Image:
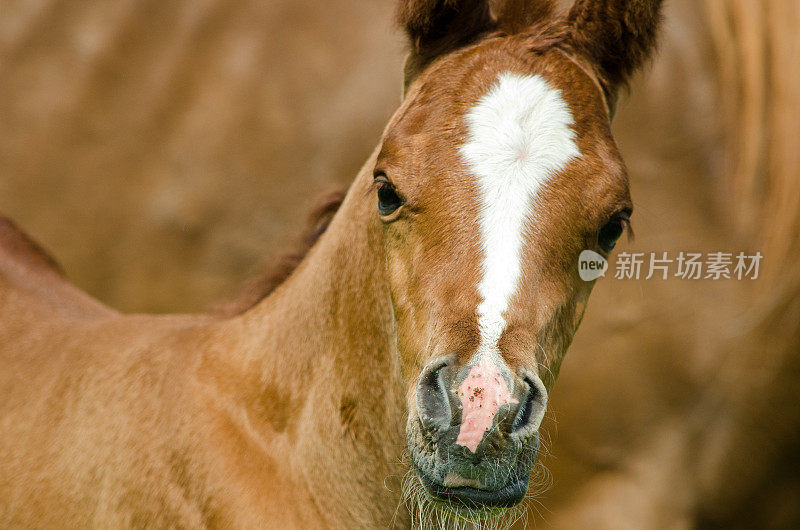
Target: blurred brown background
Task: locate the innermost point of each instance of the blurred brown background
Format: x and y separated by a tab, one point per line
164	151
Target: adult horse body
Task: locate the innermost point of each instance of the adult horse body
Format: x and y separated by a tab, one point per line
434	325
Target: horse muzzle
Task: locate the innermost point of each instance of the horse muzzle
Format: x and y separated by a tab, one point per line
476	436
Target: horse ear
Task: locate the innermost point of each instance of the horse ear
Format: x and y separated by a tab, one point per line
436	27
618	36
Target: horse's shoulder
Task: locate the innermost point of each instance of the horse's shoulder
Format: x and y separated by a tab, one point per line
18	247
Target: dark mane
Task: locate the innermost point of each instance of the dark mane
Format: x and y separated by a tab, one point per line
258	288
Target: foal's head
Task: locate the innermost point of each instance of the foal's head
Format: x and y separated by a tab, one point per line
493	176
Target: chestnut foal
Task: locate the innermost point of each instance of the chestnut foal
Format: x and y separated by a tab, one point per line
429	320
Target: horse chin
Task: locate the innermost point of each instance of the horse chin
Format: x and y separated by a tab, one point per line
441	481
426	503
475	501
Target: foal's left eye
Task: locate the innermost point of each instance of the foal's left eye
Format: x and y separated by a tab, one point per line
388	199
610	232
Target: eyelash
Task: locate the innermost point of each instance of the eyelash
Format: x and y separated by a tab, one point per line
389	200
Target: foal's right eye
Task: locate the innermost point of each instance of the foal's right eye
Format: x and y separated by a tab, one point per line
388	199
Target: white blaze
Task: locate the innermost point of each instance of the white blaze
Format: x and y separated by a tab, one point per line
519	137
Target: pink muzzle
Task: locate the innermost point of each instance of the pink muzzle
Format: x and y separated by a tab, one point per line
482	393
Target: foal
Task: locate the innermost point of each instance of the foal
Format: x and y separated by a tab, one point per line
429	319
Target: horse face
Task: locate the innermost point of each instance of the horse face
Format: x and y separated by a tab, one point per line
494	175
497	171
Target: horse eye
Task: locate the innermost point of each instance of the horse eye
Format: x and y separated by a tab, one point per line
611	231
388	199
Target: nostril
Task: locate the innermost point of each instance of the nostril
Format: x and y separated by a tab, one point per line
531	409
432	401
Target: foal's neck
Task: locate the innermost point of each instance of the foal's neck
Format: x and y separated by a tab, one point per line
322	346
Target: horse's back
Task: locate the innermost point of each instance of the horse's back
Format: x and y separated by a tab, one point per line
88	397
32	283
41	317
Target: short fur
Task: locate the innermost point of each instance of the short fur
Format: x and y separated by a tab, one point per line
297	412
437	27
516	16
17	245
615	35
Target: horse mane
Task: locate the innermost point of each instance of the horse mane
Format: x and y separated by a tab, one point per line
17	245
262	285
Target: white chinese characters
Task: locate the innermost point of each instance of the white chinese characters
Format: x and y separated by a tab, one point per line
687	266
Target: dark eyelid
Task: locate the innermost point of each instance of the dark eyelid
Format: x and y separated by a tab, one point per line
380	181
625	215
